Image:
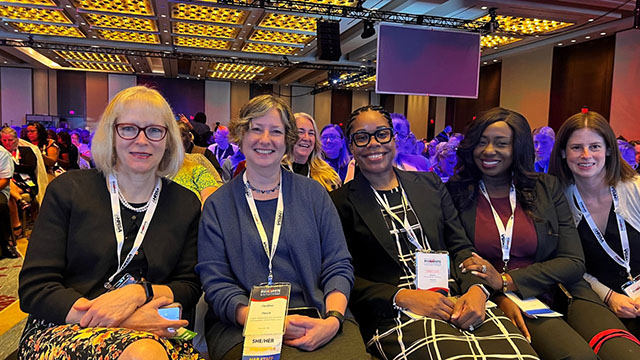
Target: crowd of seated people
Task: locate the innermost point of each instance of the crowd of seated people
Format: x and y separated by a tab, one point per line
348	218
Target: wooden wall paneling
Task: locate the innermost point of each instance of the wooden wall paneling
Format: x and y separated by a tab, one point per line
625	93
239	97
582	75
360	98
97	97
417	114
340	106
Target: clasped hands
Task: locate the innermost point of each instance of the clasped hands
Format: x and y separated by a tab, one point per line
308	333
466	313
624	306
125	308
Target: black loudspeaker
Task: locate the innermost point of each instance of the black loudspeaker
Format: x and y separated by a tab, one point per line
329	40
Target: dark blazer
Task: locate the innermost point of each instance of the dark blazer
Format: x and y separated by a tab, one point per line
374	253
72	250
559	257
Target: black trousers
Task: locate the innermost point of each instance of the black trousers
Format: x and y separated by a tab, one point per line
5	221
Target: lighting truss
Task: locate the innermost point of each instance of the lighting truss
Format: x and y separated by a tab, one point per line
285	62
342	83
359	13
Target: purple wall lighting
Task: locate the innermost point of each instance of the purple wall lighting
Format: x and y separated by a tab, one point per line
420	61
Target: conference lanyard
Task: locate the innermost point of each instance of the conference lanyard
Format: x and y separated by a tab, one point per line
506	235
622	228
276	225
117	222
411	235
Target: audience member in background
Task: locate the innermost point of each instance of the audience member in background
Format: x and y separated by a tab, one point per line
335	149
389	215
190	147
446	160
24	176
231	165
37	135
628	153
500	197
197	178
84	152
543	139
309	246
202	131
405	147
6	173
305	158
431	150
222	148
52	134
68	158
604	198
636	146
75	250
456	139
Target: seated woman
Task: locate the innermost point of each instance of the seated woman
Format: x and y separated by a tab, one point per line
308	249
68	158
520	223
389	216
95	274
24	176
334	149
306	159
446	160
604	197
37	135
406	156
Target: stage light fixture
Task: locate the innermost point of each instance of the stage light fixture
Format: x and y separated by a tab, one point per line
368	30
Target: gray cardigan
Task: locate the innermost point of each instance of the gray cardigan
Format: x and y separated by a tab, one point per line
231	258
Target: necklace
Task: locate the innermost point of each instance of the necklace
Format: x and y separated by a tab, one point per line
126	204
268	191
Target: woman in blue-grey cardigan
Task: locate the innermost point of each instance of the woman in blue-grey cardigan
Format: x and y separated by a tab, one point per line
310	249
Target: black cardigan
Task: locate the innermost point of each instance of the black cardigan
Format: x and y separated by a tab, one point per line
72	250
374	253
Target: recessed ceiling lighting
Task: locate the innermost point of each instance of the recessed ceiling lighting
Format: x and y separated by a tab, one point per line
82	23
603	33
68	6
163	15
536	35
591	19
485	63
200	67
484	8
587	37
495	48
239	38
248	24
573	40
495	60
559	44
166	43
93	36
166	30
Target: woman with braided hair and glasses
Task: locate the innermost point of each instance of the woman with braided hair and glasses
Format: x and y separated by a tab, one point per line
393	221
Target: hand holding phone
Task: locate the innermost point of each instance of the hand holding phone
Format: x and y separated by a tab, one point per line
172	311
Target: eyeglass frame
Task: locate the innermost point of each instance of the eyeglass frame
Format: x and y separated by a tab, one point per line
143	130
373	134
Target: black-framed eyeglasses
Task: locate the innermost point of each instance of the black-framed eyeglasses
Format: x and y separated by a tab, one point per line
363	138
131	131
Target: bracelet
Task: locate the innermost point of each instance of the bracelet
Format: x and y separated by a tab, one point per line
608	297
505	282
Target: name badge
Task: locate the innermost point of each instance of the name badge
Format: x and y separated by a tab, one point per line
632	288
432	271
265	323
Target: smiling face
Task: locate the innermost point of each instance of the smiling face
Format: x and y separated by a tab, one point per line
306	140
586	154
543	145
75	139
374	158
264	142
139	155
494	153
331	142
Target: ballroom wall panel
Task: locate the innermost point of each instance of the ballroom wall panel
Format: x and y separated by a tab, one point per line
239	97
359	99
322	109
97	97
16	95
340	106
40	91
217	102
417	113
72	93
301	102
119	82
625	92
185	96
582	75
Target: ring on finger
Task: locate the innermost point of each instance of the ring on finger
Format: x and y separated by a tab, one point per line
484	269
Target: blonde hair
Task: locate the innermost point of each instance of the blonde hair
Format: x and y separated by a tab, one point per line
103	144
260	106
319	170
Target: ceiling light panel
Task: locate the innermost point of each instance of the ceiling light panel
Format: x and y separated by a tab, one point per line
201	42
236	68
225	32
32	2
232	75
497	40
128	36
133	7
121	22
289	22
42	29
101	66
269	49
208	14
94	57
529	26
34	14
362	83
280	37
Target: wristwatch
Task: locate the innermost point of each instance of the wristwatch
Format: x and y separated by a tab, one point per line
148	290
505	283
337	315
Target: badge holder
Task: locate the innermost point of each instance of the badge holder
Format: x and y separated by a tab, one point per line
632	287
432	271
264	328
126	279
